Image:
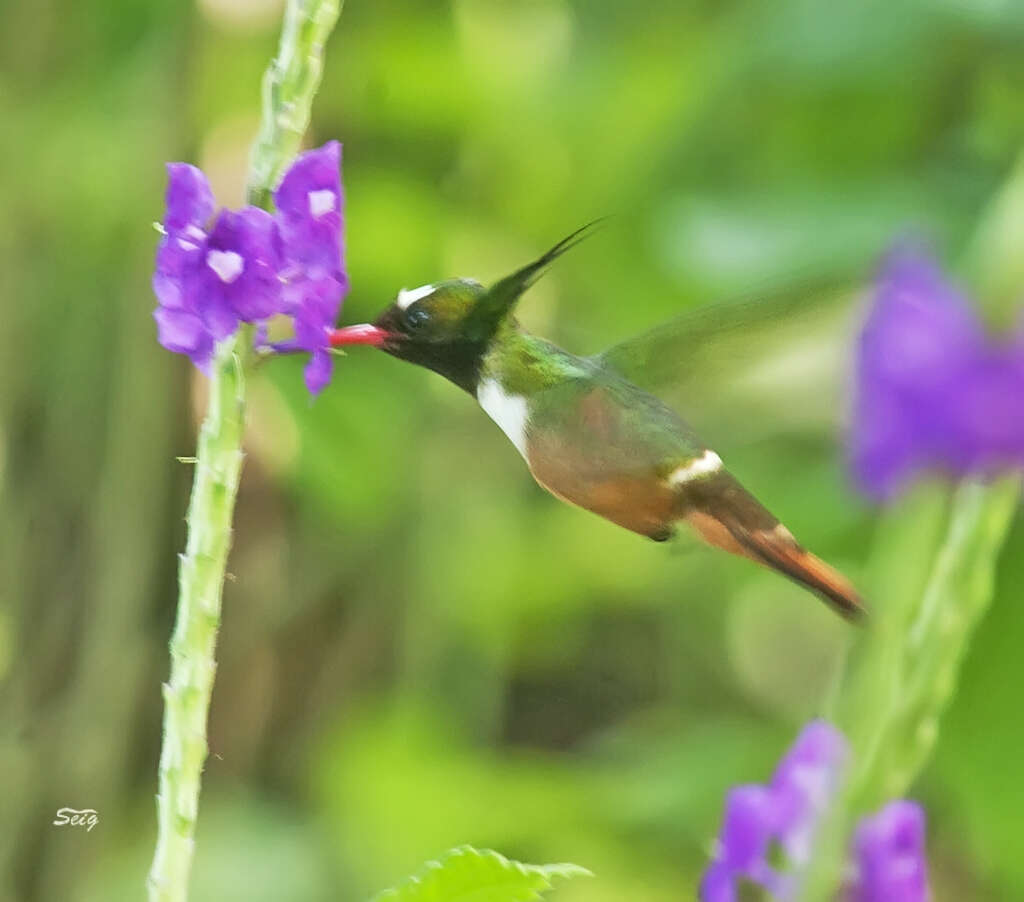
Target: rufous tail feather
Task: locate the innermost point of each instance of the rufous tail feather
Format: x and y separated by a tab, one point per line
735	521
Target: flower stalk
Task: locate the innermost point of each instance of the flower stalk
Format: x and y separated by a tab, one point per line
289	86
901	681
956	597
200	585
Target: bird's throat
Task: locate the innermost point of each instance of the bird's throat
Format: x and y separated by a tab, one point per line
509	410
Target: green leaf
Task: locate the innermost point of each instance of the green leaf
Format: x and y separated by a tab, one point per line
466	874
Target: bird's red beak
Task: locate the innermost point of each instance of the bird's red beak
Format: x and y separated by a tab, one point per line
363	334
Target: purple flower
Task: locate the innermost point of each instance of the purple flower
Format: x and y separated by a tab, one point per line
179	259
248	266
889	859
784	813
239	279
932	390
309	202
767	836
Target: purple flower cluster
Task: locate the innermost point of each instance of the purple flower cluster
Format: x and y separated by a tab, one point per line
933	390
213	273
888	863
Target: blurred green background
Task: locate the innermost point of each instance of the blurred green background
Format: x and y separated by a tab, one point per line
420	648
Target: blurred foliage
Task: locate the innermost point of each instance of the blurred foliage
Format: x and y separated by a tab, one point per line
420	648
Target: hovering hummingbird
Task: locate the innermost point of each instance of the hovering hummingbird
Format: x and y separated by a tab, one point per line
589	435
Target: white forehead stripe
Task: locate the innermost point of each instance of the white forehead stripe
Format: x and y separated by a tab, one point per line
708	462
508	411
412	295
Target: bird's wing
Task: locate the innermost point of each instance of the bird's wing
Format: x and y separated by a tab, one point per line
723	366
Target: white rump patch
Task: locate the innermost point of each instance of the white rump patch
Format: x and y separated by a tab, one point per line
227	264
320	202
508	411
412	295
708	462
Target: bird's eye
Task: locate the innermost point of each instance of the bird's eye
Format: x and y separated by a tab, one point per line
415	317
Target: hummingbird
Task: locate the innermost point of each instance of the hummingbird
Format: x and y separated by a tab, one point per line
588	435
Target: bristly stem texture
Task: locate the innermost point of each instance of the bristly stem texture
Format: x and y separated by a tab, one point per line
200	580
289	86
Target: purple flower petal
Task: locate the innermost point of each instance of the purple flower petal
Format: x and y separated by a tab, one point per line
225	278
178	262
179	330
718	884
747	828
919	342
189	199
889	856
318	371
888	850
314	318
176	278
741	849
314	304
932	391
787	812
989	412
309	203
240	280
804	785
184	333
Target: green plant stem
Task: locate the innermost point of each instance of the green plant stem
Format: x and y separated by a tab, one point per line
954	601
201	582
904	676
288	90
289	85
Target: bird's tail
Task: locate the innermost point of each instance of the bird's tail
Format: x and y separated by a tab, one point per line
727	516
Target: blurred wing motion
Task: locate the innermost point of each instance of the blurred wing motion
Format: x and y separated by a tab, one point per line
723	365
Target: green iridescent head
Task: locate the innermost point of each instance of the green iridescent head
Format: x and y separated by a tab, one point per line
448	326
443	327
